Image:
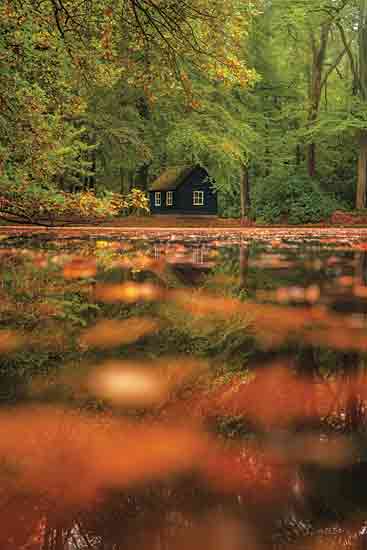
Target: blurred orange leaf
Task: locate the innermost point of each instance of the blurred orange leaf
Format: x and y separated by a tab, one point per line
128	292
109	333
10	341
80	269
142	384
273	324
129	384
72	456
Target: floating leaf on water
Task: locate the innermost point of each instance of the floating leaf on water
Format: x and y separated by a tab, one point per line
282	295
198	303
345	280
273	261
40	261
109	333
273	324
51	448
49	309
360	291
80	269
10	341
141	263
124	263
142	385
273	397
313	294
285	295
128	292
129	385
146	263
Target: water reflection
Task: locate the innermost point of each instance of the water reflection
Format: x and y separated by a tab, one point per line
182	393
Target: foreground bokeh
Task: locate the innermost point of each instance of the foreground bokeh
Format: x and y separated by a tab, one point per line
183	391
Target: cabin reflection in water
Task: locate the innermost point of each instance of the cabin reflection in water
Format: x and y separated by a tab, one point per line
189	264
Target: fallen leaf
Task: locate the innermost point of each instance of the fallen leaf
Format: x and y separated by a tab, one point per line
110	333
80	269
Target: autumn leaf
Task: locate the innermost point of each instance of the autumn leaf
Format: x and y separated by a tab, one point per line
110	333
80	269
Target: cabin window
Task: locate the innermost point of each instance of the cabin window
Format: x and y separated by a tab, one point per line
169	198
198	198
157	198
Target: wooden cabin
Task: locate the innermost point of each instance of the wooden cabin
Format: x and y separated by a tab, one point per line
184	190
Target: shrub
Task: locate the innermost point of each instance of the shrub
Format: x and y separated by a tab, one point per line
136	203
294	199
34	204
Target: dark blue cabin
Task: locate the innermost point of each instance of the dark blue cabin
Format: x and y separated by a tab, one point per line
183	190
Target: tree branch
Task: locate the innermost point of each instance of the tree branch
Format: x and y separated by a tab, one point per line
349	53
333	66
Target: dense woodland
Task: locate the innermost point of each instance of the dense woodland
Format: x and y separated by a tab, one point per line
201	390
97	98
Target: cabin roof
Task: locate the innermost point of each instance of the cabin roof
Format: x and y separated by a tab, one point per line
171	178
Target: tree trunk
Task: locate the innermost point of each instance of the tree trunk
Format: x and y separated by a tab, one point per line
358	66
362	49
311	160
126	180
92	177
362	157
61	182
319	49
244	191
142	177
315	96
298	155
362	171
122	181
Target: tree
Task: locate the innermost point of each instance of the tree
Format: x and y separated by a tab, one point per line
59	56
362	80
358	65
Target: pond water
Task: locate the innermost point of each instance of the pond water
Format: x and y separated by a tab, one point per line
183	390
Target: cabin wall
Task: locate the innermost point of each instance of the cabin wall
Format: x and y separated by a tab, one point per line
163	209
183	197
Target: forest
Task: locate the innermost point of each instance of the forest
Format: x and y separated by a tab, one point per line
185	387
98	98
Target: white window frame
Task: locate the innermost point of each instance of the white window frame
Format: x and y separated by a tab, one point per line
198	198
169	198
157	198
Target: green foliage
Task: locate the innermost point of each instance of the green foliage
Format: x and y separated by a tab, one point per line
295	199
78	84
229	202
217	133
90	102
211	337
